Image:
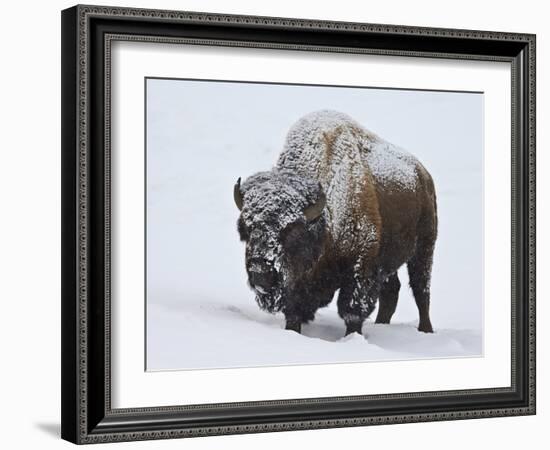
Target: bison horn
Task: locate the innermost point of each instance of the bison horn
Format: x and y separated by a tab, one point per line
238	195
315	210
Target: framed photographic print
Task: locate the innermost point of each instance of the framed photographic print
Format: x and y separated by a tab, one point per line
281	224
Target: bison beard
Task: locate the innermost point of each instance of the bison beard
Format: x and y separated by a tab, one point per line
342	209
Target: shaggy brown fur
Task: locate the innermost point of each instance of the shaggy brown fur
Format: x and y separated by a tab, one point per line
380	213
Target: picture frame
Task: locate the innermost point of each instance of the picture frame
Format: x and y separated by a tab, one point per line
88	415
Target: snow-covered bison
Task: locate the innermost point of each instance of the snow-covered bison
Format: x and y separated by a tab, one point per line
342	209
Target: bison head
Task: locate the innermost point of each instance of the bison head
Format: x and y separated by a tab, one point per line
283	226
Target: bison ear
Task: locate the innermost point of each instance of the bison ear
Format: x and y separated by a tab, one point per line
315	210
238	195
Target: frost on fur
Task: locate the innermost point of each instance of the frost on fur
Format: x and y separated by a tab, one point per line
377	212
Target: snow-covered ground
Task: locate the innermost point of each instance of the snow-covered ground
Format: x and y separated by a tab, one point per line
202	136
215	335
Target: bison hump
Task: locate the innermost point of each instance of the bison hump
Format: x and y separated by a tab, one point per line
321	142
390	164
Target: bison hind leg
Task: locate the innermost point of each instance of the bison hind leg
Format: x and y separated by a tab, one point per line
388	299
420	268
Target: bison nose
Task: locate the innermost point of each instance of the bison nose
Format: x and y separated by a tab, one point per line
262	280
261	274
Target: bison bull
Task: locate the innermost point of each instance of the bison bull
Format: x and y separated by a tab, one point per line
342	209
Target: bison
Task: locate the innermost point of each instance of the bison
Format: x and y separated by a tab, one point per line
342	210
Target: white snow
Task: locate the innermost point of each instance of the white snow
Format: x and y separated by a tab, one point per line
216	335
328	132
389	163
203	136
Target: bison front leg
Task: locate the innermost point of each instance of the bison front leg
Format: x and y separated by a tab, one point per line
293	324
299	309
357	299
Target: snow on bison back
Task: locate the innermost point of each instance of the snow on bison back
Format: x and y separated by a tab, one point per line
342	209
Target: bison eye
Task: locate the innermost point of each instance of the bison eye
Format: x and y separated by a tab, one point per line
293	234
243	230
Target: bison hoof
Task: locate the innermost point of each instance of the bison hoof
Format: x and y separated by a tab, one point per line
354	328
294	326
384	320
425	328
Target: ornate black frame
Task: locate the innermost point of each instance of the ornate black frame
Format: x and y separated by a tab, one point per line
87	31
